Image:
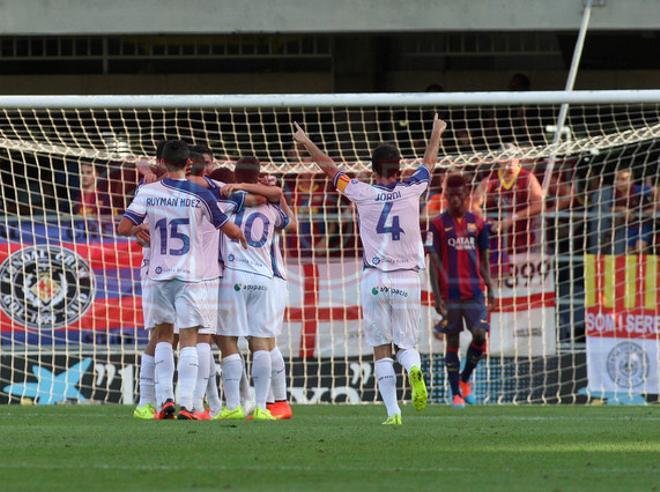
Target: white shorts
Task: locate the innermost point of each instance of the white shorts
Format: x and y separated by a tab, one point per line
281	299
246	305
183	304
391	307
145	284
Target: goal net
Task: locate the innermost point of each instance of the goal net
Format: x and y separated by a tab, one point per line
577	317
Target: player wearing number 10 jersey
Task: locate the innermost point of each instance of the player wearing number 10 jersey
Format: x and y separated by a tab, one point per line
393	256
183	220
247	298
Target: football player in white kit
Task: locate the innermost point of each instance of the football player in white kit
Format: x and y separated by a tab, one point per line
236	196
277	402
183	271
247	304
393	255
147	406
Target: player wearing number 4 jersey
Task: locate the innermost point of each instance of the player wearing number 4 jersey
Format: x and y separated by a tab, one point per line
183	220
393	256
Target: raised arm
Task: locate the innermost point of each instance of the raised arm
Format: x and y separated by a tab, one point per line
431	153
326	164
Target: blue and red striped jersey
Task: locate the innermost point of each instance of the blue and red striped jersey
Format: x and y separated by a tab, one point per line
459	244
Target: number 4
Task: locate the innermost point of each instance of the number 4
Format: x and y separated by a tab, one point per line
394	229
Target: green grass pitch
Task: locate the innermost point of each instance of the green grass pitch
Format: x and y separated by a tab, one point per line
343	448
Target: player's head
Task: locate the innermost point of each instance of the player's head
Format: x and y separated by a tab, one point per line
456	193
176	155
510	159
198	164
159	150
223	174
386	161
205	152
247	170
623	179
87	175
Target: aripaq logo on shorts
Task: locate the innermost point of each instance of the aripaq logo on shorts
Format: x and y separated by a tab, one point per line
249	287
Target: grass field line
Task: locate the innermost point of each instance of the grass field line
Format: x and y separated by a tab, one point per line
465	414
288	468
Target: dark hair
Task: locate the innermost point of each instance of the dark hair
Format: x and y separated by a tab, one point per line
198	164
520	82
159	149
434	88
455	180
247	170
223	174
201	149
385	160
176	154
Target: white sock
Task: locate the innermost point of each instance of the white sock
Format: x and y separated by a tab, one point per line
215	404
387	385
246	394
408	358
147	386
278	374
164	373
232	369
203	352
188	365
261	373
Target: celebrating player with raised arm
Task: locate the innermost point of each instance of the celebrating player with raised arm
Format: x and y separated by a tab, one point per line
460	255
183	220
393	256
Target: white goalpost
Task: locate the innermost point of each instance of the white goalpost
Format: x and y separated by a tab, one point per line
578	317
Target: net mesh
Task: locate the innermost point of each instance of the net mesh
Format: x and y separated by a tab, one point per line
581	285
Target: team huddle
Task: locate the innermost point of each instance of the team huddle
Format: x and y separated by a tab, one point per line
213	273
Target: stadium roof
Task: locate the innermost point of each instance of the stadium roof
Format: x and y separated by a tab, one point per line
46	17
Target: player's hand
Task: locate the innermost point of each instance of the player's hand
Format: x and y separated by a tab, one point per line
442	308
230	188
439	126
299	135
241	239
234	233
150	177
142	235
491	302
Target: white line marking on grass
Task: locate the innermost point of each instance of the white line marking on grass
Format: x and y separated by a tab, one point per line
287	468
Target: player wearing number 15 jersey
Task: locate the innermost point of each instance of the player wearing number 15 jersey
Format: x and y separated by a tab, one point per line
183	220
393	256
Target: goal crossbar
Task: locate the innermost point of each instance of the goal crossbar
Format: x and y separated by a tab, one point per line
329	100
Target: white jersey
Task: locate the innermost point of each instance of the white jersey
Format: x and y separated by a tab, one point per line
389	220
183	219
228	205
259	225
279	269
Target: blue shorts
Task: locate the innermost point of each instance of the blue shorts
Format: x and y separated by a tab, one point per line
643	232
473	311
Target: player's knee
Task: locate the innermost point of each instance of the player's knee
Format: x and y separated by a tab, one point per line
453	340
383	351
479	336
188	337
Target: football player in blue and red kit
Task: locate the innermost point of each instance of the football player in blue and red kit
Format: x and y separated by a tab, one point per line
460	255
